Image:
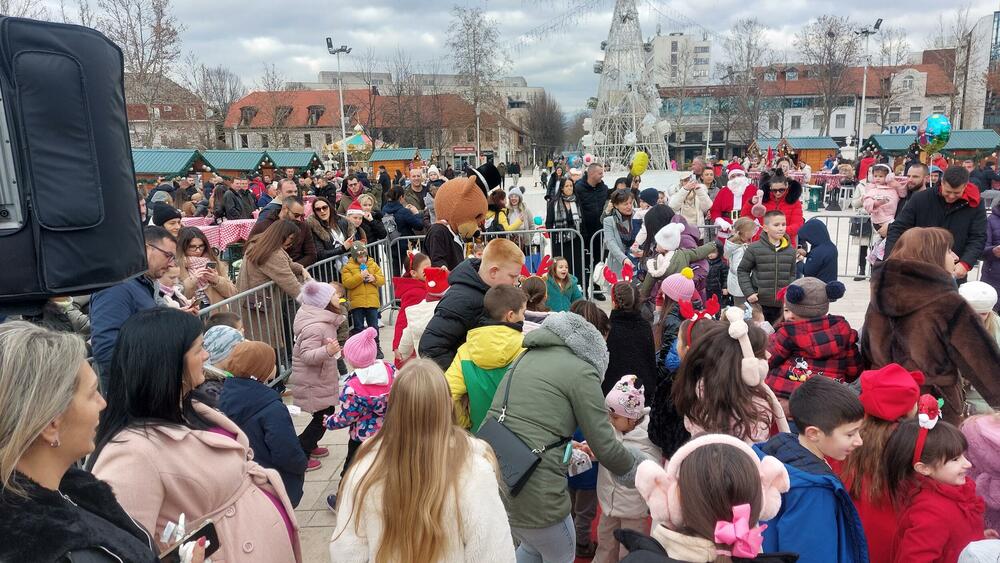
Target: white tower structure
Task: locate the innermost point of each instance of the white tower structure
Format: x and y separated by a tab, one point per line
626	118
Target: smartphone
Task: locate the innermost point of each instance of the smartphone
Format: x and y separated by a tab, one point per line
206	530
211	265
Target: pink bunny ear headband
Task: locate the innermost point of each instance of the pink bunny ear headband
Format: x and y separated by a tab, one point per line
753	369
660	488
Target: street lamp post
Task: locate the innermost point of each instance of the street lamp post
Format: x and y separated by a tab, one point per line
478	146
866	33
708	134
340	89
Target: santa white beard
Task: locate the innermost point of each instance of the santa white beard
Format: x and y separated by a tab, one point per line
738	186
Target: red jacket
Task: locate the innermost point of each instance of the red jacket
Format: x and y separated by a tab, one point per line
410	291
792	211
825	345
722	205
878	518
939	521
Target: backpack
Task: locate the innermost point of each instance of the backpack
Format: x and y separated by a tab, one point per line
391	230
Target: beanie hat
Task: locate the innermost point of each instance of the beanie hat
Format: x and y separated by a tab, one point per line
516	190
360	349
433	170
650	196
355	208
219	341
249	359
810	297
669	236
980	295
356	249
436	280
625	399
316	294
163	212
889	393
679	287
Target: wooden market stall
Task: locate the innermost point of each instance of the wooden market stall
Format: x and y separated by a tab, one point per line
151	164
759	146
235	163
964	143
399	159
811	150
299	160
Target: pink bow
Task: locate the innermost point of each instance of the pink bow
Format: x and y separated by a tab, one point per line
746	541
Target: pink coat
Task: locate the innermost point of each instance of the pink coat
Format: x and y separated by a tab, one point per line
163	471
983	434
314	372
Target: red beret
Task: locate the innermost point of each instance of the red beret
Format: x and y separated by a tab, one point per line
889	393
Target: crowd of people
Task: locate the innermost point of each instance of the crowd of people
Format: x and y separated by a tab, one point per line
705	405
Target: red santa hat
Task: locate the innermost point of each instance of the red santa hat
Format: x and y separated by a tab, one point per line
436	280
734	166
737	172
355	208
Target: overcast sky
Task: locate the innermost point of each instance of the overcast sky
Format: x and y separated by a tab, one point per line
245	35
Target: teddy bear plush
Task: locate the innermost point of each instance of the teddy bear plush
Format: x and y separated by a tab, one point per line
461	208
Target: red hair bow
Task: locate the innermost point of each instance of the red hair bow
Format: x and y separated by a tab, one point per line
688	312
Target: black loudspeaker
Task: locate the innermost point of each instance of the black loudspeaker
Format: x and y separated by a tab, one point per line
69	218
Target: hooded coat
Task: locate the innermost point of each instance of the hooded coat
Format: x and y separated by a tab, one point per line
824	345
458	312
991	263
631	352
560	299
555	388
362	294
916	318
821	261
258	411
983	434
478	367
817	517
315	375
409	291
938	522
965	220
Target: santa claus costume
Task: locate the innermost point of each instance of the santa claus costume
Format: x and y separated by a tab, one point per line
731	199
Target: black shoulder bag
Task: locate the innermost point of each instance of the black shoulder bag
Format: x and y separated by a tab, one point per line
516	459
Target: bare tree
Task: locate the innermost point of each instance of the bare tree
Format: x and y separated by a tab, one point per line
887	89
84	14
680	69
575	130
149	36
34	9
395	116
546	125
830	47
366	65
746	52
218	88
474	41
275	99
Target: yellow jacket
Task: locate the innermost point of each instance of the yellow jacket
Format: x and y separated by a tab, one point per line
359	293
477	369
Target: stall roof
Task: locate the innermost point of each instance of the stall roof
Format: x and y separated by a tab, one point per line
408	153
812	143
293	159
163	162
243	161
764	143
892	144
425	154
960	140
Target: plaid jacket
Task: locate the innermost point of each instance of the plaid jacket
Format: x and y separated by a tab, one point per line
822	346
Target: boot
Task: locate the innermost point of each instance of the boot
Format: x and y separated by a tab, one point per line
862	263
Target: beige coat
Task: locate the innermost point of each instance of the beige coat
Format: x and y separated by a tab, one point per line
262	312
222	289
164	471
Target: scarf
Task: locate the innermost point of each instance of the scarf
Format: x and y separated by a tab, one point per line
196	263
624	225
684	548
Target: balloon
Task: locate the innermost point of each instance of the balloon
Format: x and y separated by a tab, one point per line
587	140
639	163
663	127
574	161
646	130
629	139
538	220
934	133
588	124
649	119
588	158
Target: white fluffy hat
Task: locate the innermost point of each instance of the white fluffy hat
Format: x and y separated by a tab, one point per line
980	295
669	237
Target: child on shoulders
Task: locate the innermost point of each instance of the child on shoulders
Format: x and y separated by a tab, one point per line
882	195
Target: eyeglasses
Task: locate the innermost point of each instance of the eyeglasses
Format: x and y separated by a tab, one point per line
170	255
297	216
319	208
196	247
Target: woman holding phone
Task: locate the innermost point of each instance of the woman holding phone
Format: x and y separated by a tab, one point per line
205	277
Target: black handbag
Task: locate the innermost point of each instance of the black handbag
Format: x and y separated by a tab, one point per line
516	459
861	226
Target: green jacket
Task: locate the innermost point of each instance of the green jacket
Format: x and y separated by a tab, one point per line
560	299
765	269
556	388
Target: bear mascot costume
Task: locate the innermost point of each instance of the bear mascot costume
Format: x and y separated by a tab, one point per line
461	208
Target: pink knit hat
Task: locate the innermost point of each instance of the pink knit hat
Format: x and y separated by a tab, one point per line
360	349
625	399
316	294
679	287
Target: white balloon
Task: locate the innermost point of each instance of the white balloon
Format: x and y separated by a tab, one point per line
629	138
646	130
587	140
663	127
649	119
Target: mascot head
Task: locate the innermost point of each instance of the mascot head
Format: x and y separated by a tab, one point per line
462	201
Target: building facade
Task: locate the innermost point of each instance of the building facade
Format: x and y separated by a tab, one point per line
681	59
164	114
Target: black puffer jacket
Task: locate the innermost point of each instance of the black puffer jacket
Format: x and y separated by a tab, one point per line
765	269
83	523
591	200
326	245
965	220
630	345
456	314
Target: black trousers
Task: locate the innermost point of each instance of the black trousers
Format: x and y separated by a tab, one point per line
314	431
772	314
352	448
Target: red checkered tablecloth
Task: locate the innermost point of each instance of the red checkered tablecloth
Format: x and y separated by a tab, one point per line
196	221
832	181
236	230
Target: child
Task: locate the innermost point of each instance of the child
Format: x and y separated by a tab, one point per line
536	289
888	396
362	277
736	246
315	372
811	342
630	341
670	258
365	395
983	299
767	266
983	433
926	472
170	290
623	507
258	411
719	387
707	502
225	318
817	516
718	272
821	257
563	287
756	315
482	360
417	316
674	289
410	289
882	196
462	307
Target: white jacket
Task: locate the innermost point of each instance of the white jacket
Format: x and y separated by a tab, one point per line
417	318
734	254
616	499
485	533
693	205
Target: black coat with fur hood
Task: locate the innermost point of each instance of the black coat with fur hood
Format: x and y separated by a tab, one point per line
82	523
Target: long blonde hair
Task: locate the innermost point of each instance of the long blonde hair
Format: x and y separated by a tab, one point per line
420	454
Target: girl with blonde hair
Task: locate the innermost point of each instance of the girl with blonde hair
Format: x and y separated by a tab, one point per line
421	489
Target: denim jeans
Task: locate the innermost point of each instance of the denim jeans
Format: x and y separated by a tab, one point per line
555	544
363	317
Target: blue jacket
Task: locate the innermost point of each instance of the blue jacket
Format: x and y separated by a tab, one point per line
110	308
821	262
258	411
817	519
406	221
559	299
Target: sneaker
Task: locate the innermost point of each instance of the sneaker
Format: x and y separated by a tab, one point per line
331	501
319	452
860	278
313	465
586	551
